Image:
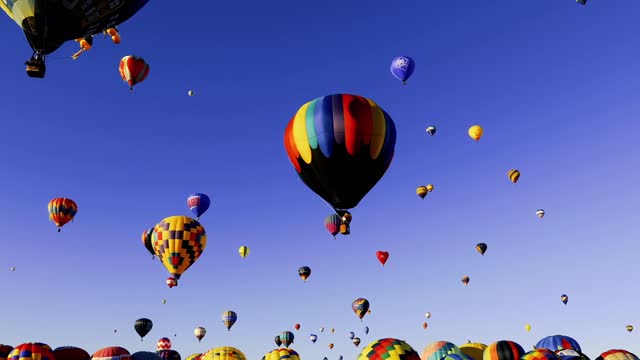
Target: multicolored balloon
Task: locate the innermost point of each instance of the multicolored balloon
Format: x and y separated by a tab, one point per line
360	306
558	342
465	280
540	213
133	70
61	211
167	355
564	298
282	354
402	68
178	241
473	350
111	353
287	338
244	251
198	204
332	224
388	349
422	191
340	145
229	318
356	341
313	338
224	353
503	350
438	349
304	272
617	354
540	354
513	175
31	351
163	343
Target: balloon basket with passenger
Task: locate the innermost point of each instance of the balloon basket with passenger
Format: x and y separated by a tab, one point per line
36	67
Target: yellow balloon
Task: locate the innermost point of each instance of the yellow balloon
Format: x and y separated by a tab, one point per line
475	132
422	191
178	241
514	175
430	187
527	327
224	353
282	354
473	350
244	251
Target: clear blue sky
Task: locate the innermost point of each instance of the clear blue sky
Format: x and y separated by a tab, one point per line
554	84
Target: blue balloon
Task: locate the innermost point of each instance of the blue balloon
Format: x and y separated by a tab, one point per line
366	330
352	335
402	67
198	203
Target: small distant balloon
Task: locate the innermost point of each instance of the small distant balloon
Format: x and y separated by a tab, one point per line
13	268
465	280
481	248
431	130
629	328
475	132
564	298
427	314
581	2
425	325
356	341
513	175
422	191
430	187
540	213
190	93
382	256
527	327
402	68
164	301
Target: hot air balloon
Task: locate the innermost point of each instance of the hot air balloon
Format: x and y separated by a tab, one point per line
571	355
438	349
49	24
366	330
70	353
133	70
163	344
244	251
313	338
296	326
540	354
198	204
527	327
142	327
5	350
332	224
13	268
331	346
111	353
224	353
190	92
427	314
558	342
503	350
422	191
321	329
402	68
582	2
431	130
61	211
277	340
430	187
164	301
304	272
287	338
564	298
352	335
481	248
540	213
617	354
341	146
229	318
460	356
178	241
147	241
382	256
629	328
31	351
473	350
475	132
360	307
168	354
465	280
388	349
425	325
513	175
282	354
200	332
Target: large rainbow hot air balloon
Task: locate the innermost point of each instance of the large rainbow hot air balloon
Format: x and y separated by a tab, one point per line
503	350
340	145
178	241
31	351
438	349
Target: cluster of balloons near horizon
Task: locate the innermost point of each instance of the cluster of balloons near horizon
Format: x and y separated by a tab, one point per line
143	326
556	347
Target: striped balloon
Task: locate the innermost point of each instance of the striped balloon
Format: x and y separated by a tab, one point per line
503	350
617	354
540	354
558	342
112	353
133	70
438	349
388	349
332	223
229	318
163	344
31	351
340	145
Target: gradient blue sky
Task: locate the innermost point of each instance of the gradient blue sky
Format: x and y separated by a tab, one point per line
554	84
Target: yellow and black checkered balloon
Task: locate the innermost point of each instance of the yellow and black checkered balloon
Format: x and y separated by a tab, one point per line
224	353
178	241
388	349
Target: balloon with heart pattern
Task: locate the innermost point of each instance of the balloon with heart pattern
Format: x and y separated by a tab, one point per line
133	70
382	256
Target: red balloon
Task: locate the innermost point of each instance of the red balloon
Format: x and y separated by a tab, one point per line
382	256
133	70
297	326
